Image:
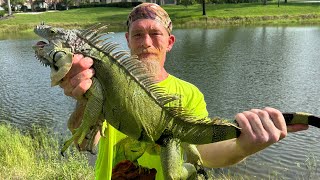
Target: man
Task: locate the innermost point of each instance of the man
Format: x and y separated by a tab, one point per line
149	37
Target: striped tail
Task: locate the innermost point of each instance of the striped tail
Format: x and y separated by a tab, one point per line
204	133
302	118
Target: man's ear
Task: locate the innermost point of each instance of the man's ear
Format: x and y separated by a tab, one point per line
172	39
127	37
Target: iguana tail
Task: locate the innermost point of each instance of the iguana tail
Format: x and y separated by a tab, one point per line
219	129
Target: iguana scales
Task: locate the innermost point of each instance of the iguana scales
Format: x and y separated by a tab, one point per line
125	93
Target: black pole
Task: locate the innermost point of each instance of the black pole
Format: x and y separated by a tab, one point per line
203	7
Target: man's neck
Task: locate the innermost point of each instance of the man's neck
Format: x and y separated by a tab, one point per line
162	75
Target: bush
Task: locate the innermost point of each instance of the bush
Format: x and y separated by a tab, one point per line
116	4
25	8
39	9
124	4
2	12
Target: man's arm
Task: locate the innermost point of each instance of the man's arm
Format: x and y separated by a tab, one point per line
75	84
259	129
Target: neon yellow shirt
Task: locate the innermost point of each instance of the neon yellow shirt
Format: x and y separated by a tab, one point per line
192	100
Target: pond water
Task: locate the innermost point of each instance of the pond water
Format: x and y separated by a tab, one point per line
236	68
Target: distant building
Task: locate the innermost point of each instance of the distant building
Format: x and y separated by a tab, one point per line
114	1
2	2
44	3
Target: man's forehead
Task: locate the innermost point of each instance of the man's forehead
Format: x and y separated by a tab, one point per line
147	24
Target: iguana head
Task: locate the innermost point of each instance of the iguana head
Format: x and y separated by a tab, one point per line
60	42
56	38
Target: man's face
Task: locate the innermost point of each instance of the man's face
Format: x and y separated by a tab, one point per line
149	40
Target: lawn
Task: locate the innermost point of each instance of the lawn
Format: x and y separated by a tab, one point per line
216	15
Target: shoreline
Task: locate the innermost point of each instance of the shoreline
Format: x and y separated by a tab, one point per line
203	23
218	15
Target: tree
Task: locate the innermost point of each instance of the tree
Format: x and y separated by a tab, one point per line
186	3
16	2
160	2
9	8
55	2
68	3
264	2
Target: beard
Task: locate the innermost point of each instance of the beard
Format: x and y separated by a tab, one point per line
153	66
151	62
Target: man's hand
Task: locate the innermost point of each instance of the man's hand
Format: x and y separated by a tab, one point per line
262	127
75	84
78	80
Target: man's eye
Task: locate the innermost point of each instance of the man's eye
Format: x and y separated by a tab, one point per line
156	33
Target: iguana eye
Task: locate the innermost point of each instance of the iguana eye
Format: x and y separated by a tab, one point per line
52	31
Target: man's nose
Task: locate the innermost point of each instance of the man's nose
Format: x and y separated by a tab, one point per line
146	41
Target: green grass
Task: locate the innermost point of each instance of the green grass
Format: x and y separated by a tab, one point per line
71	18
239	14
191	16
36	155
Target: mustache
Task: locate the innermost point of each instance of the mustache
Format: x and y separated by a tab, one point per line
149	51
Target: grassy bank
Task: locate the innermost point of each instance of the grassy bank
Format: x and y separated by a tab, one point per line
182	17
36	155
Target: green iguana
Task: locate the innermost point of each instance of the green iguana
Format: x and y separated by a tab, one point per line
125	93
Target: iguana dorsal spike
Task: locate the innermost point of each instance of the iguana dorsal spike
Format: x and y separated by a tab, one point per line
98	36
106	46
120	54
93	30
112	48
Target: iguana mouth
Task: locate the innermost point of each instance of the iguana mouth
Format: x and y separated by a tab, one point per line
38	47
41	44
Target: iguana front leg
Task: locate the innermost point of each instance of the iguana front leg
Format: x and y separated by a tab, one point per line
171	163
92	120
60	60
193	156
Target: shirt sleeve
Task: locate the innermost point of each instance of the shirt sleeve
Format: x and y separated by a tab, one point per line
196	103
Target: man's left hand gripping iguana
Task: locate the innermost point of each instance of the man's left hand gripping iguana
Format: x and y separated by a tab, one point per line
125	93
